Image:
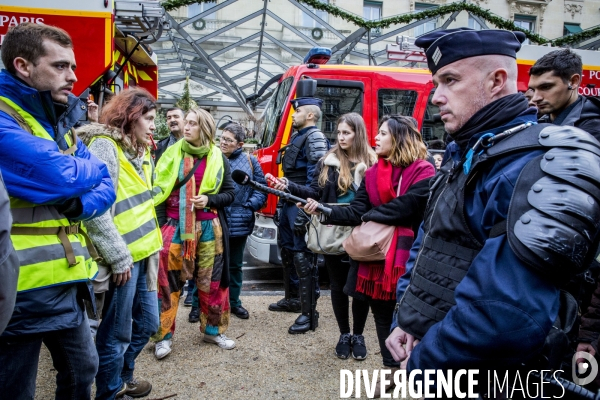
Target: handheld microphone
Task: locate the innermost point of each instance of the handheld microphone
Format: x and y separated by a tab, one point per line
242	178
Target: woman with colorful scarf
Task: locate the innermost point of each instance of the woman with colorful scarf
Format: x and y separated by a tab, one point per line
401	161
193	178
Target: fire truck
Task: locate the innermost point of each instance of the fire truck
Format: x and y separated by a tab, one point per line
371	91
110	39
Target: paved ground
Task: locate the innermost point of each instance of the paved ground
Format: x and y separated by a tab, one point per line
267	363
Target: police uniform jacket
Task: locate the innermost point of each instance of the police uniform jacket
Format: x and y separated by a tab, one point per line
504	309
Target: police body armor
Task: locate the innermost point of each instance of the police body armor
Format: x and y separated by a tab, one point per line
552	224
317	144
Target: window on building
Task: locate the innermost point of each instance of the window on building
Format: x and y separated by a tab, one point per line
428	26
309	22
372	12
473	24
337	101
394	101
527	23
197	8
570	29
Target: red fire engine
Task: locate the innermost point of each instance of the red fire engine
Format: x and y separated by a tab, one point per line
372	92
110	39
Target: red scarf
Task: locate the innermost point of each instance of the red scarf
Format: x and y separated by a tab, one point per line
378	279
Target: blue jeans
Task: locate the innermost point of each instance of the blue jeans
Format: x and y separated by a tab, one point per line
73	356
119	341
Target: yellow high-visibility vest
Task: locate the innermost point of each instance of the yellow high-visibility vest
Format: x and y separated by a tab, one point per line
51	250
134	214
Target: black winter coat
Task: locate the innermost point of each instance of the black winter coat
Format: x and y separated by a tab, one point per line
219	201
406	210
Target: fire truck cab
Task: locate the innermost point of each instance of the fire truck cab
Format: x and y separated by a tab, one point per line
371	91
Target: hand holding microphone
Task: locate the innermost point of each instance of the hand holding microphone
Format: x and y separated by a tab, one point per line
311	207
279	184
242	178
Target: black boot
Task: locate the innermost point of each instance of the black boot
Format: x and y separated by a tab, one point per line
194	315
304	322
291	302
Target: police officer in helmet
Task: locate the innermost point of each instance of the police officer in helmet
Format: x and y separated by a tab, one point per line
482	284
300	159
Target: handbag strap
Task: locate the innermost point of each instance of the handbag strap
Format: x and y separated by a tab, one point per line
250	162
188	176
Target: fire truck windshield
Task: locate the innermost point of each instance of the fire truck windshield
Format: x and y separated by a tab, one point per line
337	100
272	114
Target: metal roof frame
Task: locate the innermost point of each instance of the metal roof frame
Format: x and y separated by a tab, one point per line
198	55
221	83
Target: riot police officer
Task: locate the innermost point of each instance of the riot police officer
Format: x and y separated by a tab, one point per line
508	219
300	159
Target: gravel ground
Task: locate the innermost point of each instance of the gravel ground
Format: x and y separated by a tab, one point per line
267	362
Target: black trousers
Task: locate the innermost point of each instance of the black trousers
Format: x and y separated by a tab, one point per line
383	313
338	267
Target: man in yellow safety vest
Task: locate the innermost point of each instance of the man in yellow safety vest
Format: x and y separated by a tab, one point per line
53	183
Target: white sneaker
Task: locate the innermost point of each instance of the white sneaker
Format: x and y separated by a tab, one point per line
162	349
220	340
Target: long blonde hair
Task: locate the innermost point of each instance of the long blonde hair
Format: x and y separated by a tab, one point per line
206	124
360	151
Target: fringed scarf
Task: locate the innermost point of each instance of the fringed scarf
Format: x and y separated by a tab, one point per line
187	217
378	280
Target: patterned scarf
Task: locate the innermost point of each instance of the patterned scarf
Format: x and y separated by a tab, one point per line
378	279
187	217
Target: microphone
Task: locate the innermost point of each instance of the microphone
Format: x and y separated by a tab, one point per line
242	178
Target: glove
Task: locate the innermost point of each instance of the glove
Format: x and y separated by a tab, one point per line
278	211
71	208
300	224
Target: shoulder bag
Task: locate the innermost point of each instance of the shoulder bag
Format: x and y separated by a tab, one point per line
370	241
327	239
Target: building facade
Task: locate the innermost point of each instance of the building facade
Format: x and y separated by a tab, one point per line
233	41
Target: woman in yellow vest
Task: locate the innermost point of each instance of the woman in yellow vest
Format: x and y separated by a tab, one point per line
126	236
194	180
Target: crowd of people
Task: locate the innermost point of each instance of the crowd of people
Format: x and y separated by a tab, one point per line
100	234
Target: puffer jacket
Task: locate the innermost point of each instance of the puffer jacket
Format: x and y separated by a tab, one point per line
240	215
34	170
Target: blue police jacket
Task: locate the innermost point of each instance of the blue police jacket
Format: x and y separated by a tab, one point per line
302	160
503	308
34	170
